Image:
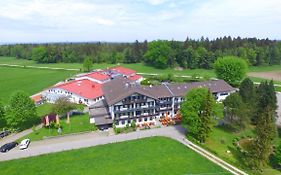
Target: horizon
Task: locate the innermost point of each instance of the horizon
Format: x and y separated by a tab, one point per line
42	21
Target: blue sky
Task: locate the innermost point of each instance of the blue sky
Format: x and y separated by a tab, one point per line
120	20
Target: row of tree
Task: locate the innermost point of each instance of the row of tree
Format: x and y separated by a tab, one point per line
250	105
161	53
258	107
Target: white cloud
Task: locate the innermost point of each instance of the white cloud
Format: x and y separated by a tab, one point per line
156	2
129	20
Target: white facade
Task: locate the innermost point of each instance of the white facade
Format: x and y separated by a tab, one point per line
53	94
136	107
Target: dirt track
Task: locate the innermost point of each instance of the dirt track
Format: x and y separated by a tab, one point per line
275	75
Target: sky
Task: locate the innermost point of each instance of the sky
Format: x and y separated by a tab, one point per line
129	20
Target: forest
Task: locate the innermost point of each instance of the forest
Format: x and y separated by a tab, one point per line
159	53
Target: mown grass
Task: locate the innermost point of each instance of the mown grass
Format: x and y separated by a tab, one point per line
256	79
265	68
78	123
156	155
221	141
29	80
139	67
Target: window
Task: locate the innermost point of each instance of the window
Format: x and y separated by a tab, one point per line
151	118
145	119
116	122
140	119
129	121
123	122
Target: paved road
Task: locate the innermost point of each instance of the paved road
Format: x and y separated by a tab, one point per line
85	140
14	136
99	138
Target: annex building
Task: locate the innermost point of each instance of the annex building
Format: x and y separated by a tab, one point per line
115	96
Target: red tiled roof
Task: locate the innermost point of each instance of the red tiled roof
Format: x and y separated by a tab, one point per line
36	98
123	70
98	76
84	88
134	77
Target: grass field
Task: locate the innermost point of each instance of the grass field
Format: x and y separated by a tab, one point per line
139	67
221	140
29	80
156	155
78	123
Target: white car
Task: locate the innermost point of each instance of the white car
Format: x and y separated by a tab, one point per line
24	143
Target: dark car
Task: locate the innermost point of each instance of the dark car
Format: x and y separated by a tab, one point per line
4	134
8	146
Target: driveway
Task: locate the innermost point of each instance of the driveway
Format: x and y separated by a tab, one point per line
86	140
100	138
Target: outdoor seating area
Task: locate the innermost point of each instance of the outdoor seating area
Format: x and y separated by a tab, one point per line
146	125
167	120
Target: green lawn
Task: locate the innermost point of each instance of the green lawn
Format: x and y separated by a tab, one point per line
44	109
139	67
29	80
155	155
78	123
264	68
221	140
255	79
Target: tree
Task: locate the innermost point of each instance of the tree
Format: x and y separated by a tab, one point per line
158	54
235	113
88	64
247	91
137	54
39	54
206	117
128	55
231	69
63	106
196	112
21	112
277	155
265	128
2	116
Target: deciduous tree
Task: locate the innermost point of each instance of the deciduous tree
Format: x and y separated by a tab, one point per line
63	106
197	111
88	64
231	69
2	116
21	112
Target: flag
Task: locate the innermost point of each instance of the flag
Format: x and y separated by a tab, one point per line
47	120
57	119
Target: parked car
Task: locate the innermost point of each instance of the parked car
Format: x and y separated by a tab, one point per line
8	146
4	133
24	143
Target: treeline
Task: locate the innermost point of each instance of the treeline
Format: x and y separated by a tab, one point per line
161	53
